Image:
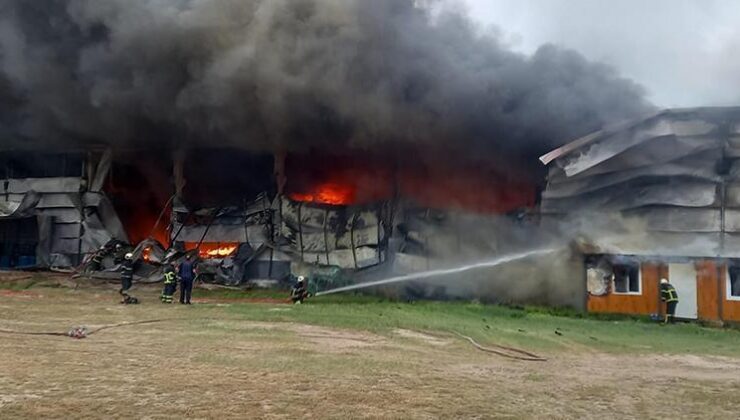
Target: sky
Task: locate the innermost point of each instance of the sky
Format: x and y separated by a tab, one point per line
684	52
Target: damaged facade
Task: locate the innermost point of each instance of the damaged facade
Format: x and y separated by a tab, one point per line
673	182
256	217
53	211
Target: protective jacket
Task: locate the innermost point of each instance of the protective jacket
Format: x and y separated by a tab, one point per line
127	270
169	276
170	284
668	293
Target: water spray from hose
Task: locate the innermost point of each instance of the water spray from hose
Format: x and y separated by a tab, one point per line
442	272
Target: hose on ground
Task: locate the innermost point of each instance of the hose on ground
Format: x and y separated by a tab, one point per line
504	351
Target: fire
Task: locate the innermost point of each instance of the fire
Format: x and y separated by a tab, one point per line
436	180
223	251
213	249
334	193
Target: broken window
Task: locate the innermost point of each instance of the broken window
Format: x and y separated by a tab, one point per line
733	280
627	278
598	275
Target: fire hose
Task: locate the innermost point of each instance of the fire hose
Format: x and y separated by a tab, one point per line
82	331
504	351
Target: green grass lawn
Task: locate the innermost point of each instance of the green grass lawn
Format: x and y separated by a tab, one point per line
532	328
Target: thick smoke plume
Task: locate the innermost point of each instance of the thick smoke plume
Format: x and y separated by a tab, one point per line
289	75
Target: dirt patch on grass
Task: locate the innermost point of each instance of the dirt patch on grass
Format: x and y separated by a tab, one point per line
208	362
426	338
331	340
271	301
19	293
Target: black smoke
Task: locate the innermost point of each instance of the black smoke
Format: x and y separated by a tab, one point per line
290	75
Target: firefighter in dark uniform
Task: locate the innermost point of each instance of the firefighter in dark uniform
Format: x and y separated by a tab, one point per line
127	279
170	284
668	295
299	292
97	261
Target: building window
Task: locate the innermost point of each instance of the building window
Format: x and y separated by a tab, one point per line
733	281
627	279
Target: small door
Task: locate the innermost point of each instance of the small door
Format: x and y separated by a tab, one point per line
683	278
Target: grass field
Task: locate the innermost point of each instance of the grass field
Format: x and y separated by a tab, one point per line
236	355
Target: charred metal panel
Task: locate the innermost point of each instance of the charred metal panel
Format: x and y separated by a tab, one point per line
676	175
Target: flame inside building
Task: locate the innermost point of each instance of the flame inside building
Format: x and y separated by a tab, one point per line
271	213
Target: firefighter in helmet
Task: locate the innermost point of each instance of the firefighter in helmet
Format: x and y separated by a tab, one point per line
299	292
127	279
668	295
170	284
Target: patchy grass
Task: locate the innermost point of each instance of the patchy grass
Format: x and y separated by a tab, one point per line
349	357
530	327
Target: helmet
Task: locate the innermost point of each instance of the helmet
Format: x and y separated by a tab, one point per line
663	281
301	279
129	256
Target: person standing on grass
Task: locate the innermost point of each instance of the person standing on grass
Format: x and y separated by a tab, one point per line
668	295
127	279
187	276
170	283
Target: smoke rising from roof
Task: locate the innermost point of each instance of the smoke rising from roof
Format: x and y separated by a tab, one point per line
290	75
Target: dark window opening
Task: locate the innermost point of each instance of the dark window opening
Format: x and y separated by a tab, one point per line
18	241
626	278
41	165
733	289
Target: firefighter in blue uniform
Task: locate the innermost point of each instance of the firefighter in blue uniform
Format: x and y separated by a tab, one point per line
668	295
170	283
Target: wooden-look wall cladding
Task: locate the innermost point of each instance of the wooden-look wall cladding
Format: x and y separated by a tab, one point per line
707	290
645	303
712	293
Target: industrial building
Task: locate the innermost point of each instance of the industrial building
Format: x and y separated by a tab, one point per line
673	182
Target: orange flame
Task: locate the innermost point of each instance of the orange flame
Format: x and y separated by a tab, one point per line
334	193
146	254
213	249
223	251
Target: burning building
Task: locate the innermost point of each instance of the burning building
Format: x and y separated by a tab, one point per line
279	136
673	180
253	216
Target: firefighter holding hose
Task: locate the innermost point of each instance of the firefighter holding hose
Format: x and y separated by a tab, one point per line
668	295
299	292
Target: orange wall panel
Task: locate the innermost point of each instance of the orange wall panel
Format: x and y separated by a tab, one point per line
643	304
707	290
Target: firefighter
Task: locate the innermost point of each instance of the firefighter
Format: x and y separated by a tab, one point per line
170	284
97	261
299	292
187	276
668	295
127	279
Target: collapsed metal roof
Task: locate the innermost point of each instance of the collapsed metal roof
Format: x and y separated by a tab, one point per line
676	173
